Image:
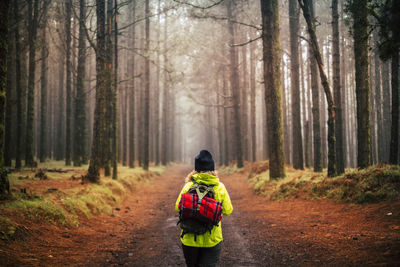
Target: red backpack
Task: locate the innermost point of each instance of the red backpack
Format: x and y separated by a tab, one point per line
199	212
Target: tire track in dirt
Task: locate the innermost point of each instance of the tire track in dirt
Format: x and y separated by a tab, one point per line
236	248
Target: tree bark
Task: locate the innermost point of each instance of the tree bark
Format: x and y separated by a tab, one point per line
297	139
68	6
359	10
132	96
114	126
43	98
235	86
253	63
4	28
9	131
164	143
157	94
315	104
18	85
147	89
98	131
32	35
394	139
272	82
80	100
244	106
336	88
387	116
378	100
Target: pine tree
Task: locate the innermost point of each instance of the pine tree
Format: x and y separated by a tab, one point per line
147	89
33	10
297	140
234	79
337	89
272	82
79	149
96	158
359	12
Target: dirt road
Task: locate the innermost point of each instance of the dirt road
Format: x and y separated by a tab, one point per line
263	233
259	232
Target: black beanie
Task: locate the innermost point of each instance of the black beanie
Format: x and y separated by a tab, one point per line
204	162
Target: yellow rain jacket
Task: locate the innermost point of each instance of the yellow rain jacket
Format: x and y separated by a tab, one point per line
208	239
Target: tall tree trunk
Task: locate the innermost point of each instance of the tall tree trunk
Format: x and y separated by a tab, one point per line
68	7
336	88
304	112
220	132
253	63
305	5
272	82
235	86
386	108
315	104
33	21
343	89
18	85
394	139
359	10
378	100
80	100
297	140
4	28
157	92
10	88
372	113
60	122
107	141
164	143
244	106
43	98
285	111
132	96
98	131
147	89
114	134
226	119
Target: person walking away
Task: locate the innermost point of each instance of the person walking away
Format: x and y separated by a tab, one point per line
201	243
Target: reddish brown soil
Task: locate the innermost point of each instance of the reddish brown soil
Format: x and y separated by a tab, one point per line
258	233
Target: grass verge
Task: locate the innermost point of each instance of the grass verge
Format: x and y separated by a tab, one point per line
68	203
376	183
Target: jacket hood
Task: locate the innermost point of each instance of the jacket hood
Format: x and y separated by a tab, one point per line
205	178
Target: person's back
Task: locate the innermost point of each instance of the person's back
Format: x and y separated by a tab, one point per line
204	249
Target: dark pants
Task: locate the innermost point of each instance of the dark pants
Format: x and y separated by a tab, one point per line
195	256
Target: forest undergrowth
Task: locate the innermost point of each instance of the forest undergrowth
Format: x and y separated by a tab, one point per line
57	194
371	185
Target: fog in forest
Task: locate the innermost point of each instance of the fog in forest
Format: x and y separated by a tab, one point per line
152	82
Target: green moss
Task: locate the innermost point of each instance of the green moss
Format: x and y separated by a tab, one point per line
7	228
40	209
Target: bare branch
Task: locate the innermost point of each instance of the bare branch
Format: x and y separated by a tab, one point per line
258	28
92	44
199	7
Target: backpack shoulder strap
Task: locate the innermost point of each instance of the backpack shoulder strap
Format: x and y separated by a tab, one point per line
201	194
